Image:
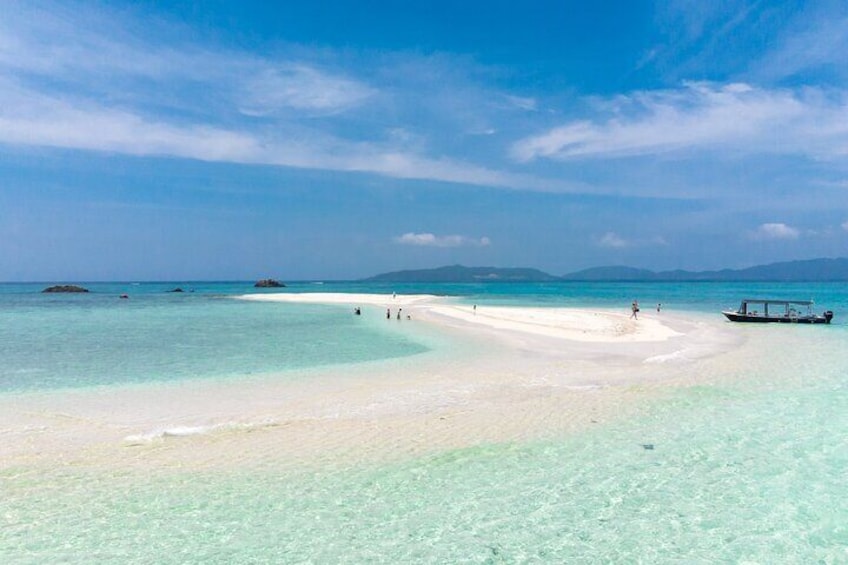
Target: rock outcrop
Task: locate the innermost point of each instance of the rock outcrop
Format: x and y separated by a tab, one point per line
65	288
269	283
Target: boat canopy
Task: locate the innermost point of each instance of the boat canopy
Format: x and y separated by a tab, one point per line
781	302
789	307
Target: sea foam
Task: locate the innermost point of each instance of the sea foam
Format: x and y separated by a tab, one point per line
162	434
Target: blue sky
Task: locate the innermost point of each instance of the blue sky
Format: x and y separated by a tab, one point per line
336	140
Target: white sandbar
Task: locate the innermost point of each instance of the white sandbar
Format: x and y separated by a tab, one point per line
562	323
352	299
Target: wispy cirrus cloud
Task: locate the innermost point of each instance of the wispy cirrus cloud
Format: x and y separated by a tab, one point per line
523	102
432	240
34	119
724	39
29	118
302	88
102	54
814	41
690	20
91	80
701	117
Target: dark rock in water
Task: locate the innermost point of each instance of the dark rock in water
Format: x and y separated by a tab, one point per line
65	288
178	289
269	283
648	446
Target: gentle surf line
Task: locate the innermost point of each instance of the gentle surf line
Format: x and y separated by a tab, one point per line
188	431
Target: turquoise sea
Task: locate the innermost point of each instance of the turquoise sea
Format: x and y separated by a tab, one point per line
748	464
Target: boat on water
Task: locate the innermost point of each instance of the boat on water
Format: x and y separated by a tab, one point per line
779	311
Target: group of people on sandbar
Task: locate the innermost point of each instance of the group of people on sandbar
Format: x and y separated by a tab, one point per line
358	311
399	314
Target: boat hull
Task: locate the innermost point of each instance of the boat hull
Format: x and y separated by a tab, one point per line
755	319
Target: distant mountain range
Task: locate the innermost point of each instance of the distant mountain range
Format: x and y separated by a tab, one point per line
812	270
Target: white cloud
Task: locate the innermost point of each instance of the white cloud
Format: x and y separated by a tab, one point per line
106	86
845	225
28	117
702	116
612	239
101	53
301	87
432	240
87	79
776	231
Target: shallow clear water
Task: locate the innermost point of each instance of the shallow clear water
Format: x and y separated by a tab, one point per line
62	341
747	465
751	473
57	341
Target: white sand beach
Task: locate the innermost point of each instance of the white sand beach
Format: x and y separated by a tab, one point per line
560	323
528	373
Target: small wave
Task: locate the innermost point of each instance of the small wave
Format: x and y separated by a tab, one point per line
28	371
188	431
583	387
181	431
679	355
25	430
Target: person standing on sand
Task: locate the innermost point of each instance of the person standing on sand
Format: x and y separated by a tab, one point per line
399	311
634	308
